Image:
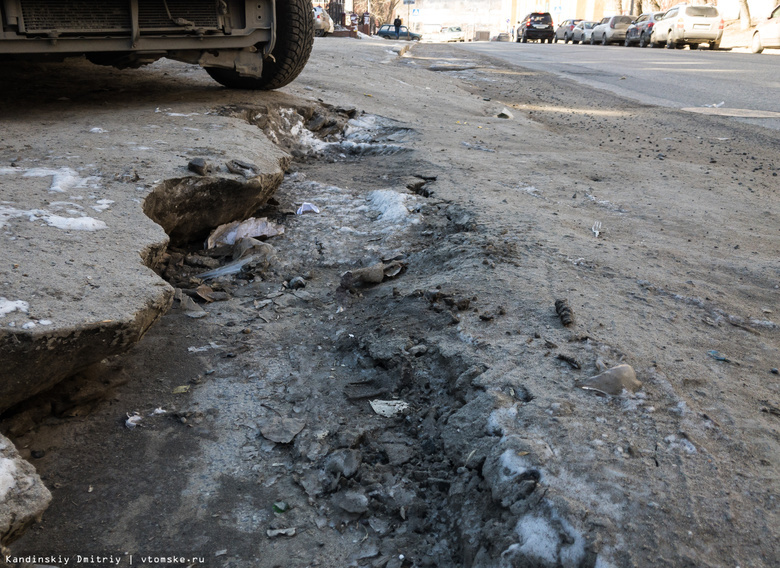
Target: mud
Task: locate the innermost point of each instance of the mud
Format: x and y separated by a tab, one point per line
499	458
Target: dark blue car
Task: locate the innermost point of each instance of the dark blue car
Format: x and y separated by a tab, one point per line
387	31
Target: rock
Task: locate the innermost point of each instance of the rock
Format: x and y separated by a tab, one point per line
23	497
351	501
199	166
613	381
242	168
398	454
344	462
280	429
280	532
505	114
297	282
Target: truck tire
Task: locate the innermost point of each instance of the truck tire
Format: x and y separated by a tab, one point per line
294	40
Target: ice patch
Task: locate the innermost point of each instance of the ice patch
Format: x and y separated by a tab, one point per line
499	419
601	562
74	223
7	479
8	306
530	190
390	204
553	541
539	539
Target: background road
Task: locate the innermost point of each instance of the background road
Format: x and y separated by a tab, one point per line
677	78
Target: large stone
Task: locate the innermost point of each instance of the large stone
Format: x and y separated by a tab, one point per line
23	497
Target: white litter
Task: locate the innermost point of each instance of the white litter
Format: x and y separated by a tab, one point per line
211	345
229	233
306	208
97	130
388	408
133	420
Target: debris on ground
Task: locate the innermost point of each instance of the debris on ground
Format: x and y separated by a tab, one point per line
613	381
564	311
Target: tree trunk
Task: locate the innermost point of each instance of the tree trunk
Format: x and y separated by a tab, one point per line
744	15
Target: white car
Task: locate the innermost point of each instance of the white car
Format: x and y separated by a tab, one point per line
688	24
582	31
453	33
767	34
611	30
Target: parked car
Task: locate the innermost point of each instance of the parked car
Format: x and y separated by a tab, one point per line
453	33
581	32
241	44
767	34
686	24
387	31
323	24
536	25
503	36
565	30
611	30
638	33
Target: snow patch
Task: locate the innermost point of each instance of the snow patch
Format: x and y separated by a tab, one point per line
499	419
74	223
8	306
7	476
539	539
553	541
63	179
102	204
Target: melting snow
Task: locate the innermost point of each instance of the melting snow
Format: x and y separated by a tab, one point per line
8	306
63	179
102	204
74	223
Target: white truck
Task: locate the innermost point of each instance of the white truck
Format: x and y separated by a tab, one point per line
262	44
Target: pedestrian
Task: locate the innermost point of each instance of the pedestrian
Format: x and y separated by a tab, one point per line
397	24
513	33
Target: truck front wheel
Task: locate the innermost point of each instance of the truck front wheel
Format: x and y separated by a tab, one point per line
294	40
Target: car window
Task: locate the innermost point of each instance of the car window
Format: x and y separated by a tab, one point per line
623	20
641	18
589	25
541	18
702	11
776	13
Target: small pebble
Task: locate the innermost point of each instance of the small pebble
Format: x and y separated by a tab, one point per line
775	372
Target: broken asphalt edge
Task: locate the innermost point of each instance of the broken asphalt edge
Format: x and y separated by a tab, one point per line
85	295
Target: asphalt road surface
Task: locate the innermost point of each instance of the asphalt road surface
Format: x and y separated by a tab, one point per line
743	82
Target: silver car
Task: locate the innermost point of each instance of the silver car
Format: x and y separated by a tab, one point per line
581	32
323	23
687	24
611	30
767	34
